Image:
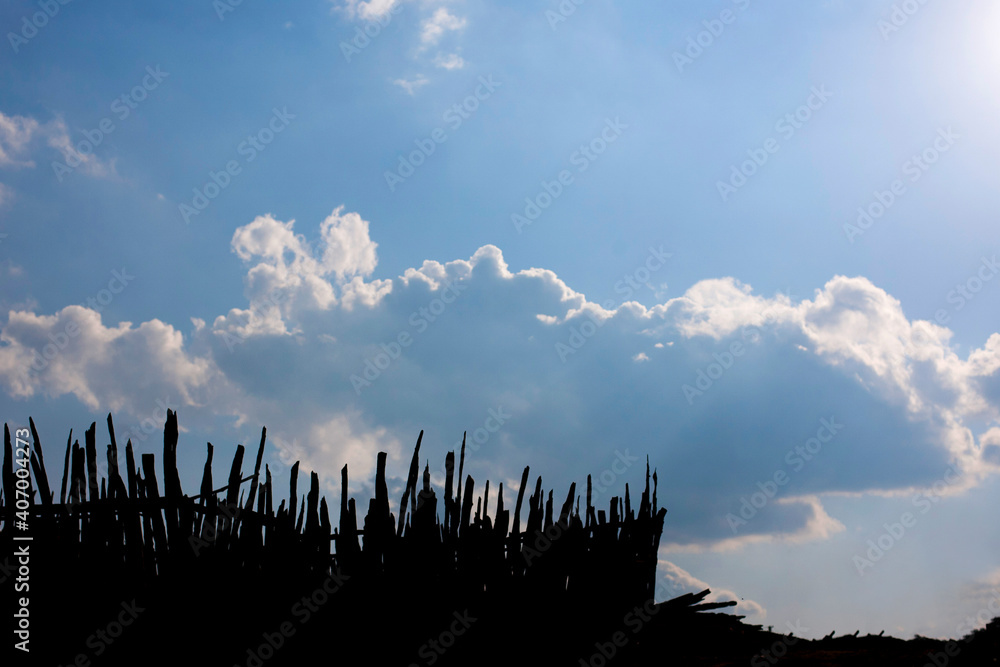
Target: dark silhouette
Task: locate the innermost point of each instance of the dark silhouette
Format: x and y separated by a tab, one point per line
122	572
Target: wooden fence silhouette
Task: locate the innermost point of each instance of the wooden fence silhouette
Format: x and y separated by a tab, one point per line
124	570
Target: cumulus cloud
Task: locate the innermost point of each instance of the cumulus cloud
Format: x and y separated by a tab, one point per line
289	274
370	10
105	368
440	22
348	250
341	440
733	386
674	581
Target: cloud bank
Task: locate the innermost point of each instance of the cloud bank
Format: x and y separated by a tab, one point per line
752	408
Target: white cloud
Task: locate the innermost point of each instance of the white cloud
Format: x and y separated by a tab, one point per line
449	61
290	275
327	446
412	85
480	336
105	368
371	10
438	24
18	132
348	251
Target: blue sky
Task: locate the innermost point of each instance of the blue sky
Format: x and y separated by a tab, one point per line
585	232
